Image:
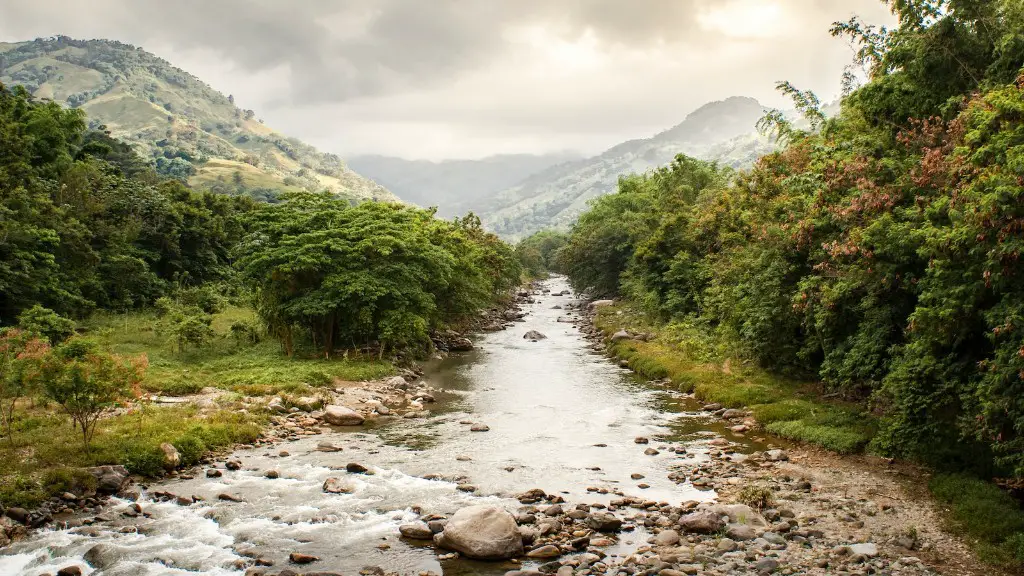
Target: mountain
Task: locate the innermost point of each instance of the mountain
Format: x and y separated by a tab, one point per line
454	186
187	128
723	131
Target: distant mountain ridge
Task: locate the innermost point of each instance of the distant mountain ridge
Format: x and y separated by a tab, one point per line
454	186
723	131
187	128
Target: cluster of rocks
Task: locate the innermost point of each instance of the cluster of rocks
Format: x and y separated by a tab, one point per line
68	509
670	540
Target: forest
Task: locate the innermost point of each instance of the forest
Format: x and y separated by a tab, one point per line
876	253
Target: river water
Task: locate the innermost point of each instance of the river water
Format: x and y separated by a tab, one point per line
561	417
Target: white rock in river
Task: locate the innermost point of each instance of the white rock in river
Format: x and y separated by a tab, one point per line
482	532
342	416
171	457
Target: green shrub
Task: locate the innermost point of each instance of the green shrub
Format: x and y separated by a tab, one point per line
75	480
46	323
191	448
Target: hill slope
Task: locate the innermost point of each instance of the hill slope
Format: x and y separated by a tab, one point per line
189	129
454	186
722	131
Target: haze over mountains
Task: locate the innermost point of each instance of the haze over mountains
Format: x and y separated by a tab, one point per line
190	130
518	195
454	186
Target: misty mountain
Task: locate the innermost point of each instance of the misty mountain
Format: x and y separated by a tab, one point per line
723	131
454	186
185	127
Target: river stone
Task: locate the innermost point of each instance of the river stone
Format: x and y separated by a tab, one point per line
740	532
528	534
766	565
109	479
866	549
328	446
171	457
342	416
702	522
604	522
100	556
667	538
480	428
620	335
546	551
300	558
416	531
337	486
482	532
70	571
534	336
601	303
460	345
741	514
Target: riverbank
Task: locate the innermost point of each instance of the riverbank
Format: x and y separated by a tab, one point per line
197	404
754	401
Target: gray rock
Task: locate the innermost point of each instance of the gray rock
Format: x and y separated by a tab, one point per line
416	531
109	479
727	545
482	532
337	486
100	556
171	457
342	416
866	549
604	522
702	522
479	428
546	551
741	514
601	303
534	335
741	532
767	565
620	335
328	446
460	345
666	538
776	455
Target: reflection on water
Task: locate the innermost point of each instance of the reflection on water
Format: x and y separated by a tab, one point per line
561	418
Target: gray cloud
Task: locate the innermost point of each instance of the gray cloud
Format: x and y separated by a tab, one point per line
430	75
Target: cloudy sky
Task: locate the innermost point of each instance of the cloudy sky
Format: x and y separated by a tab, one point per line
469	78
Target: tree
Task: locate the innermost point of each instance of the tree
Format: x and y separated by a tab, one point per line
20	357
44	322
87	382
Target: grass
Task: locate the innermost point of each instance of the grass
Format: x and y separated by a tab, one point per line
46	455
988	516
249	369
695	362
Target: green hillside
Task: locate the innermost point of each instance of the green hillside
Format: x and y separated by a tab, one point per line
187	128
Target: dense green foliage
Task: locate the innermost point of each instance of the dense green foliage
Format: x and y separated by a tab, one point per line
85	226
879	252
374	273
538	253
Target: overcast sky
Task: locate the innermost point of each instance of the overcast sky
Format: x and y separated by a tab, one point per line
469	78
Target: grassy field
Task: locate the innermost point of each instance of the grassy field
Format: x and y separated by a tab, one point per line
695	363
45	454
250	369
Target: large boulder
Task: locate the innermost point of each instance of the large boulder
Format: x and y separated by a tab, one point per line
741	514
620	335
342	416
702	522
534	336
604	522
109	479
171	457
482	532
460	345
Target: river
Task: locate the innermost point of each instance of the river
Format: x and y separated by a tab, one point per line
562	418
